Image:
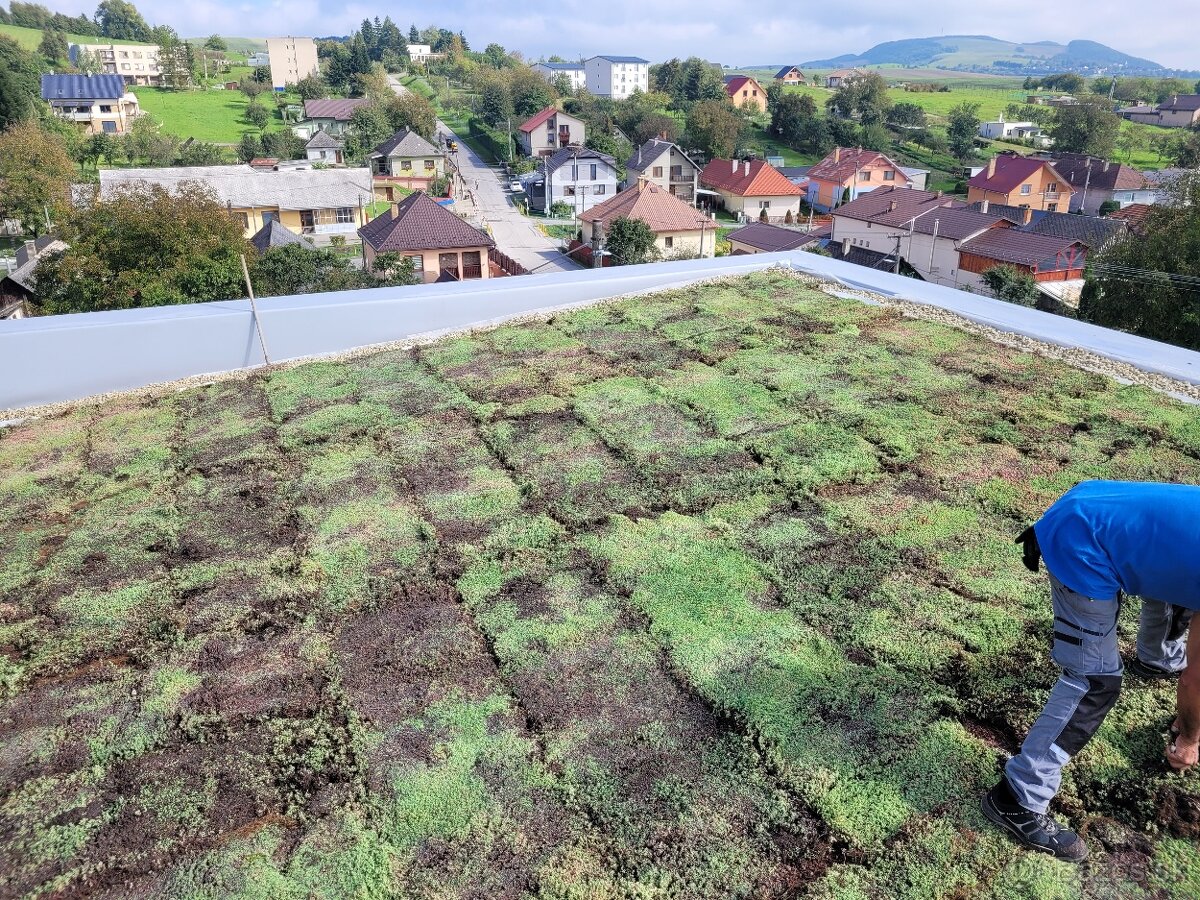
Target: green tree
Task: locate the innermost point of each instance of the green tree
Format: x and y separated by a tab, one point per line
1130	141
54	47
602	142
495	56
1186	151
906	115
1012	284
312	87
250	147
282	144
411	110
1139	283
865	98
150	143
369	126
414	36
251	88
215	42
715	127
35	175
1089	126
200	153
19	88
875	137
630	241
257	115
394	269
296	269
144	246
962	128
120	20
791	113
495	101
530	92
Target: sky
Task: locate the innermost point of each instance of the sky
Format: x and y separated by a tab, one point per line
735	35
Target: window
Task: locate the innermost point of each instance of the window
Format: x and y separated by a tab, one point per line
406	164
344	215
889	175
668	242
569	190
593	178
1026	190
240	217
1052	207
676	171
597	189
764	204
109	127
657	171
745	93
864	176
104	109
1052	187
418	263
429	165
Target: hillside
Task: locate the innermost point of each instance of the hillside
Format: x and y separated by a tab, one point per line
235	44
30	38
980	53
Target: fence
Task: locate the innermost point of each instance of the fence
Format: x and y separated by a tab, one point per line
506	263
582	253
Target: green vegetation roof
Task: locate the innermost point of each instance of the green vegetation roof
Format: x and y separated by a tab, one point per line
709	593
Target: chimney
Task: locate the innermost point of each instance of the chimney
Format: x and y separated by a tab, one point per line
991	169
983	207
892	206
837	155
733	167
747	167
1106	165
641	184
1026	215
845	246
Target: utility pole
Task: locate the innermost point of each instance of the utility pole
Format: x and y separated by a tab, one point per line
896	266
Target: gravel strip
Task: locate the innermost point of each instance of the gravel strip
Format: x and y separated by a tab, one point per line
1082	359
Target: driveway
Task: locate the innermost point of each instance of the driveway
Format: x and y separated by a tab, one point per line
490	203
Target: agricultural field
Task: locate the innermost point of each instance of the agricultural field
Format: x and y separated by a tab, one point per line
706	594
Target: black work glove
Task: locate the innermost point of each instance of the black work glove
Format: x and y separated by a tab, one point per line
1031	553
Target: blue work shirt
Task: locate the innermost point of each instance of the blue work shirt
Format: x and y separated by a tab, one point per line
1142	538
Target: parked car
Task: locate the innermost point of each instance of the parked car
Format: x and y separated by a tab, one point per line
515	185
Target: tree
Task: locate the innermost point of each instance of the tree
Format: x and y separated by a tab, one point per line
602	142
18	82
296	269
1131	140
1089	126
146	140
865	97
257	115
1139	283
120	20
774	95
35	175
250	87
144	246
54	47
654	125
312	87
250	147
201	153
1186	152
630	241
411	110
369	126
963	126
790	115
495	56
215	42
875	137
1012	284
906	115
282	144
530	92
495	101
414	36
714	127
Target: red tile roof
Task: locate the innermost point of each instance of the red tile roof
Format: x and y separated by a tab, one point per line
1134	215
737	82
659	209
841	164
1013	246
1011	171
752	178
538	119
420	223
339	110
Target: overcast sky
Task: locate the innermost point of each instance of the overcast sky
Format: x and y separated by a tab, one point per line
1162	30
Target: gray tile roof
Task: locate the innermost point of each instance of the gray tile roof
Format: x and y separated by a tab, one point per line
622	59
770	238
339	110
644	156
83	87
275	235
567	154
323	140
562	67
243	186
1090	231
421	223
405	143
22	275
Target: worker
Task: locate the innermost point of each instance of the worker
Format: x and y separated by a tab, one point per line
1102	541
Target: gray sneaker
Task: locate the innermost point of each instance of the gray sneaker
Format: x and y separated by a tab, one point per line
1035	831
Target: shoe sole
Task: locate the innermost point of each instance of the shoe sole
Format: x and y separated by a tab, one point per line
993	815
1149	673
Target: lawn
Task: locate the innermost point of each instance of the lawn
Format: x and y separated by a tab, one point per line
206	115
31	38
703	594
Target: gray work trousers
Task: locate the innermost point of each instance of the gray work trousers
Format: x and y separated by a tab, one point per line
1085	648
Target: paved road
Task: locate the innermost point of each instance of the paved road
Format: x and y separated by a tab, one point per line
490	204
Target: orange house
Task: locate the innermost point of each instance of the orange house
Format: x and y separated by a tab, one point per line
745	91
847	173
1021	181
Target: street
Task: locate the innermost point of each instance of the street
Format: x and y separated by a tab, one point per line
515	234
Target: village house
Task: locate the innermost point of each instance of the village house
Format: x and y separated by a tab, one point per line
680	231
99	103
617	76
441	245
405	160
1020	181
575	72
578	177
323	147
1001	130
319	203
1099	181
273	235
847	173
332	116
1047	258
745	92
422	53
1181	111
549	131
752	189
258	58
760	237
134	63
19	287
790	75
291	59
839	77
664	164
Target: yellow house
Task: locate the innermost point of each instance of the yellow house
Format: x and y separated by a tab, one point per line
1021	181
405	160
318	203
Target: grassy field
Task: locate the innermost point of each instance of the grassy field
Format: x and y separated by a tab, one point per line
30	38
706	594
206	115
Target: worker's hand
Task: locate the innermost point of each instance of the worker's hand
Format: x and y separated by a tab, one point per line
1182	755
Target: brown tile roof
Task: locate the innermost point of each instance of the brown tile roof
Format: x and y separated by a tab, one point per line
1012	246
753	178
1181	103
340	110
1105	175
770	238
1134	215
899	207
842	162
1011	172
659	209
420	223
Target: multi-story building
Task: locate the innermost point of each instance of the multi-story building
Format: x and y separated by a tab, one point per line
292	58
662	163
1022	181
99	103
617	76
422	53
135	63
575	73
578	177
549	131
